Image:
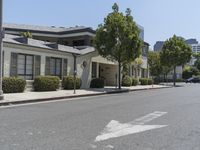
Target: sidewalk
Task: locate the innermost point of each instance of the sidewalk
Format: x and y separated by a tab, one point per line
29	97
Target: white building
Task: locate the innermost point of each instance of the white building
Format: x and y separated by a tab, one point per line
195	50
59	52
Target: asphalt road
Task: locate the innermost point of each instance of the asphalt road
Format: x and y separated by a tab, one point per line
74	125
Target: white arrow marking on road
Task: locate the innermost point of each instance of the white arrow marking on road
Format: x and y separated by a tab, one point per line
115	129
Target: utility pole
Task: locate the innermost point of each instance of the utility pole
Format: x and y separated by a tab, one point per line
75	73
1	47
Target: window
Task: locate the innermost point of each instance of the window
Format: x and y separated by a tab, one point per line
25	66
94	69
63	42
55	66
78	43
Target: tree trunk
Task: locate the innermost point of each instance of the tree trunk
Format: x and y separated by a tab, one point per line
166	78
174	77
119	76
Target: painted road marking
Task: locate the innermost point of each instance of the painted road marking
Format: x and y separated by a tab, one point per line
116	129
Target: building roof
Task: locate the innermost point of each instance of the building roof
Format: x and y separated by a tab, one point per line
46	29
13	39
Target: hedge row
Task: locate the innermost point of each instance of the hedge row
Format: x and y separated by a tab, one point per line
135	82
46	83
13	85
68	83
128	81
97	83
146	81
51	83
157	80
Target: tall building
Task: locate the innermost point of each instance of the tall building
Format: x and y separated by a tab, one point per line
191	41
158	46
195	50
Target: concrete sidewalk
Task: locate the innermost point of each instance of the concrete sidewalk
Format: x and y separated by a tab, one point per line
30	97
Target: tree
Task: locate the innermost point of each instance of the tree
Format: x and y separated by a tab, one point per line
197	64
117	39
165	71
154	63
137	65
175	52
26	34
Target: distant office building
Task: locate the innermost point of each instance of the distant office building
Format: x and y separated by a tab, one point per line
158	46
195	50
141	31
191	41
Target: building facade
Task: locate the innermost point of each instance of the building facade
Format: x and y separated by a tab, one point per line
58	52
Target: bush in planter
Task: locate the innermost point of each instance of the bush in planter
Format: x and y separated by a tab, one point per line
126	81
13	85
46	83
68	83
97	83
135	82
143	81
150	81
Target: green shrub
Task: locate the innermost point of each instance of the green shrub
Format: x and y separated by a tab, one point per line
150	81
127	81
13	85
46	83
143	81
135	82
180	80
68	83
187	74
97	83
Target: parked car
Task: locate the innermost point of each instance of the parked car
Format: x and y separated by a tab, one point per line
193	80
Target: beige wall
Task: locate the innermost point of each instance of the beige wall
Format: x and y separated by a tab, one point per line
109	72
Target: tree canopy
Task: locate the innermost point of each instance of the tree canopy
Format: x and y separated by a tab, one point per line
154	63
117	39
26	34
175	52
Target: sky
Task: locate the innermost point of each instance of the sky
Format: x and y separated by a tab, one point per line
161	19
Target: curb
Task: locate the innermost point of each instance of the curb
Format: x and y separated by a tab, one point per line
76	96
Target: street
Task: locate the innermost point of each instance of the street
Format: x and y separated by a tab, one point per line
162	119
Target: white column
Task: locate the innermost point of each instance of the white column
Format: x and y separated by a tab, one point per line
7	61
42	68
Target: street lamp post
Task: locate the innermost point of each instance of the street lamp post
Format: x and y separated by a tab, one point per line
75	73
1	47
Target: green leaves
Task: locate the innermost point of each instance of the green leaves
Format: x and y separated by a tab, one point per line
26	34
154	63
117	39
175	52
13	85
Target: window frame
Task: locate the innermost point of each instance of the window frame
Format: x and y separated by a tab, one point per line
94	74
25	66
55	69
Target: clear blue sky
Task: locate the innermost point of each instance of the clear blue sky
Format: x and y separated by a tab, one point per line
160	18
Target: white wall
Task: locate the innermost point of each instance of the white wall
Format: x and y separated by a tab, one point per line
9	48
